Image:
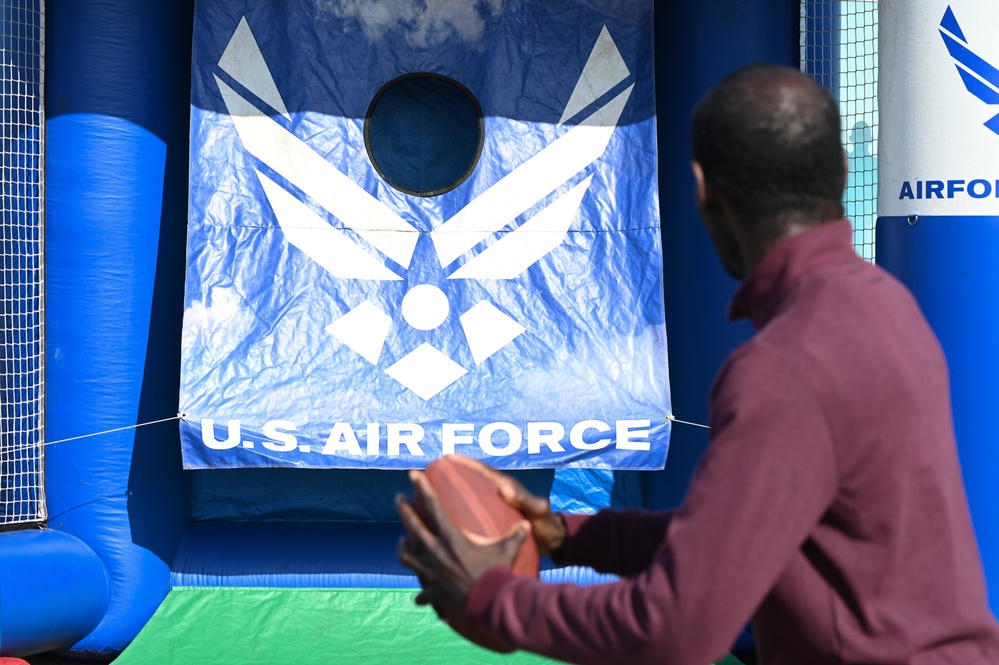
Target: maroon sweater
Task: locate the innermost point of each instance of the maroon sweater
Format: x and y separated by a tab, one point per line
829	505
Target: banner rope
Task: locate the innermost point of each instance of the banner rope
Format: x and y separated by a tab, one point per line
673	419
93	434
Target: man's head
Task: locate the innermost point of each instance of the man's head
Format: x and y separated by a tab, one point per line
768	161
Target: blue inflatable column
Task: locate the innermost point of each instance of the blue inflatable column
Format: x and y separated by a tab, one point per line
938	229
697	44
117	102
53	591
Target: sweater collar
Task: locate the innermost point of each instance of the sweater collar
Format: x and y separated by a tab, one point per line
778	273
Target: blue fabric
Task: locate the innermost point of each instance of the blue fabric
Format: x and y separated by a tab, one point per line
947	262
54	590
116	74
334	321
326	554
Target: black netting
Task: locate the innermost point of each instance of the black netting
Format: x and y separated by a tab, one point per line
839	48
22	497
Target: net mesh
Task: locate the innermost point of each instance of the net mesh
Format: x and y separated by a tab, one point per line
22	44
839	49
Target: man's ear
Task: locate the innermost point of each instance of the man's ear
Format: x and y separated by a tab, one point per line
702	185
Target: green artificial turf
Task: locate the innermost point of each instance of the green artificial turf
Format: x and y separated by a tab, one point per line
258	626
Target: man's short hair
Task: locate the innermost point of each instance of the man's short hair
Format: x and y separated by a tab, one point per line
768	140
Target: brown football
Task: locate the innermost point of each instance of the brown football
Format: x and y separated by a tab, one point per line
473	503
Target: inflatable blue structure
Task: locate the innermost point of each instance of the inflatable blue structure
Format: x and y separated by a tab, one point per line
125	514
127	524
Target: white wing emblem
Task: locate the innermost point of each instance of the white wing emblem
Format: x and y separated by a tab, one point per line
425	370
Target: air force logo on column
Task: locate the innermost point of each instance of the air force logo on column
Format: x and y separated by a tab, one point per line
980	77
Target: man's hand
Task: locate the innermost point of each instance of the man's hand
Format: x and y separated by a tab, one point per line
548	528
445	560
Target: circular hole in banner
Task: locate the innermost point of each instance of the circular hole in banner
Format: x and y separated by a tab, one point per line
423	133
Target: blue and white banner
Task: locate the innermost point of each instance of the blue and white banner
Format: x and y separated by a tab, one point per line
419	229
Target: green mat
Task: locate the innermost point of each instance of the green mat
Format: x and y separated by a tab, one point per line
263	626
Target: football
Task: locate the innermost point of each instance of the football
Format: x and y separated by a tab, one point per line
473	503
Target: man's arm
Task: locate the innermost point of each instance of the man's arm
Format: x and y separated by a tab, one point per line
765	482
621	542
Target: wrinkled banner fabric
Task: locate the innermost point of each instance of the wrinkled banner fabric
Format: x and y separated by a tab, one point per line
335	320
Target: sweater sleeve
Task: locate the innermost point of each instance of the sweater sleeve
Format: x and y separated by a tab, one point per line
766	480
618	542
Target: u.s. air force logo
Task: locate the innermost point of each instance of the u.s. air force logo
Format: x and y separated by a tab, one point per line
980	77
981	80
353	235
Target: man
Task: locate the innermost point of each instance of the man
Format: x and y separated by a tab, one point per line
829	506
